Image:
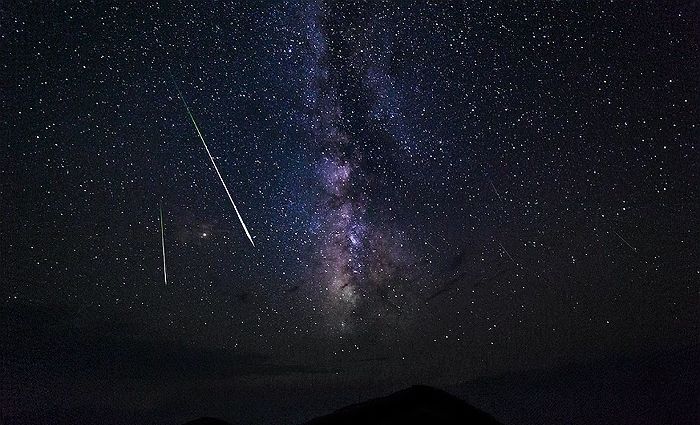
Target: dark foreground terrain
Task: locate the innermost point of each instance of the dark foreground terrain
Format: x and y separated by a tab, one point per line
54	371
416	405
654	388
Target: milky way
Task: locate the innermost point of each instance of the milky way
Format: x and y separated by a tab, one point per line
357	259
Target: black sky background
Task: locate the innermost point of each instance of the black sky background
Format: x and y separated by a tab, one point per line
439	192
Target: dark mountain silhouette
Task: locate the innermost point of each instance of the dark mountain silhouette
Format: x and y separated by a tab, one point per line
207	421
650	387
413	406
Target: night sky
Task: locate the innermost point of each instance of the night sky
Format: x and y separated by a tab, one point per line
436	191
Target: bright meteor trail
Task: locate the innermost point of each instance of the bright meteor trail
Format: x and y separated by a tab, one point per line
162	241
199	133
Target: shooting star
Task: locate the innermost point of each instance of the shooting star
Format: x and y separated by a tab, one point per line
495	190
431	245
623	240
507	253
213	163
162	242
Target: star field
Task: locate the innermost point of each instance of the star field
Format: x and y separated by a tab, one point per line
437	191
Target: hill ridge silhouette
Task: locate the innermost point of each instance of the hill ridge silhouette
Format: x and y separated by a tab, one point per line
418	404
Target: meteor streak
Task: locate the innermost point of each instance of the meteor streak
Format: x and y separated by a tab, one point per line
213	163
623	240
507	253
495	190
162	242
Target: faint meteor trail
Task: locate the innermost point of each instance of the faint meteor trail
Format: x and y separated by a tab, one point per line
507	253
494	189
431	245
623	240
213	163
162	242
